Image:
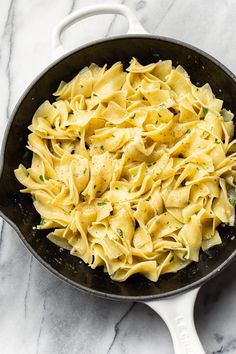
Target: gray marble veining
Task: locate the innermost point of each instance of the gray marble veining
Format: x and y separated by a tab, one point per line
39	314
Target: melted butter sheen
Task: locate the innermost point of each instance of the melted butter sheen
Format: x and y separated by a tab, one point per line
130	169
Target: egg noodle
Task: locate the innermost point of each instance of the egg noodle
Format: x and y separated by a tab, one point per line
132	170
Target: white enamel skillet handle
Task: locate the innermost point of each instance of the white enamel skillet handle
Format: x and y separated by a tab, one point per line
134	24
177	312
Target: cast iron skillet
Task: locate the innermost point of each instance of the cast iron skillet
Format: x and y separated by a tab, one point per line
17	209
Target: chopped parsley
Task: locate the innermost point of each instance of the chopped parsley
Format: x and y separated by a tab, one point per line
116	188
129	191
157	55
94	186
159	115
133	116
26	154
217	141
233	202
120	232
172	258
102	147
101	203
157	121
188	131
41	177
42	221
204	110
85	170
232	196
81	86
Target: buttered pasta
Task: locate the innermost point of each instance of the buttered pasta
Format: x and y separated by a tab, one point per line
132	170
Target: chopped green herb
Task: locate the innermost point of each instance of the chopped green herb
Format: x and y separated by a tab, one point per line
162	105
217	141
156	55
159	115
26	154
156	121
150	165
94	186
41	177
116	188
172	258
232	195
120	232
188	131
205	110
198	168
133	116
181	155
102	147
81	86
129	191
42	221
85	170
212	129
101	203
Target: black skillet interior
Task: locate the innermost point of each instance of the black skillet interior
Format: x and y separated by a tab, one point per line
18	207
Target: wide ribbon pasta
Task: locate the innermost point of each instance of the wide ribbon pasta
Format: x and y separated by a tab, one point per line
132	170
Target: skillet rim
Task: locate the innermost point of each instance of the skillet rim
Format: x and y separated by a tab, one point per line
78	286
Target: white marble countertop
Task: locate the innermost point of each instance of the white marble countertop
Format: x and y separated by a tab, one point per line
39	314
